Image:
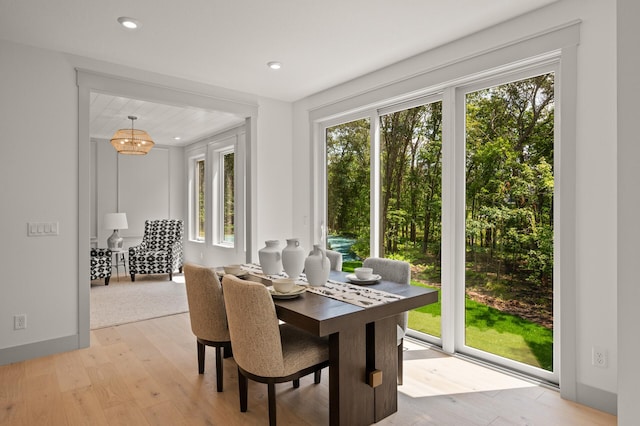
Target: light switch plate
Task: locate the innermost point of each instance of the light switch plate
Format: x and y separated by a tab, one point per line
42	229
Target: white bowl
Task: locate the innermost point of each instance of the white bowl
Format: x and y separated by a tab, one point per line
364	273
283	285
233	269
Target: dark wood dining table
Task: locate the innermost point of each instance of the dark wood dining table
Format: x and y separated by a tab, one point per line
361	341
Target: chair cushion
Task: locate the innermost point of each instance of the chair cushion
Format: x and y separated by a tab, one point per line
301	349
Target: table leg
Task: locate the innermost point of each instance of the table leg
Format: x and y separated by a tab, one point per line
353	354
351	399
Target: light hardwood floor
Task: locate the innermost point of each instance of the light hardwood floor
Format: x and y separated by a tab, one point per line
146	373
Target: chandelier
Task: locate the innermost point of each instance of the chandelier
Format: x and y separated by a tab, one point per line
132	141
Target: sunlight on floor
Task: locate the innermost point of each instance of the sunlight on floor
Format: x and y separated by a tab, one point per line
461	376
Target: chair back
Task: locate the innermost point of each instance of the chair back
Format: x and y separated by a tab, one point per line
396	271
160	234
335	258
206	304
253	326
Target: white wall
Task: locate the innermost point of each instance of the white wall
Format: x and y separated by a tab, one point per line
39	169
117	188
628	93
595	220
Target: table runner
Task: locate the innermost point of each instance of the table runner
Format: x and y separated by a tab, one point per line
349	293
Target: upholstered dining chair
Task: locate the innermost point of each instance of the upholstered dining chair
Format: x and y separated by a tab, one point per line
265	351
335	258
208	316
160	251
399	272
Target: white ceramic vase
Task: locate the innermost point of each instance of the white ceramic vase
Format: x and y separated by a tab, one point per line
270	258
293	258
317	266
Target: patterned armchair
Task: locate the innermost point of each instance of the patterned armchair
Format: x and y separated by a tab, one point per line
101	264
160	251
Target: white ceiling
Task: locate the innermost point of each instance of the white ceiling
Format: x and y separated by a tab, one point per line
227	43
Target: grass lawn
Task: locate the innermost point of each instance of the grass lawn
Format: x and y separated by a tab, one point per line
493	331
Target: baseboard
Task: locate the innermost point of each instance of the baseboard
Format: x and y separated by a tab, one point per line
597	398
39	349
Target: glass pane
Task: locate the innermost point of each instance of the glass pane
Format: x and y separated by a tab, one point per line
411	203
348	148
200	199
229	203
509	220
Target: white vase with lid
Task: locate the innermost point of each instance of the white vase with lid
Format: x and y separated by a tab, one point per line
293	258
270	258
317	266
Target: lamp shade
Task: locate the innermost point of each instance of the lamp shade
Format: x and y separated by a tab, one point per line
132	141
115	221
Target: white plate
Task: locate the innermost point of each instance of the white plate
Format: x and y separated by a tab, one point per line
297	291
355	280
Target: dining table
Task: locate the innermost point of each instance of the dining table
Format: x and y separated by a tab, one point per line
363	351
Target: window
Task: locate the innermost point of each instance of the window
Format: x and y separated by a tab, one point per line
197	205
228	197
398	178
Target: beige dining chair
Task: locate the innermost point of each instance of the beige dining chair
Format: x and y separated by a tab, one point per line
208	316
265	351
335	258
396	271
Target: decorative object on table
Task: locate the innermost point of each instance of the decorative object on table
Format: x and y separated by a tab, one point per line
208	316
161	249
115	221
132	141
101	264
286	352
293	256
234	270
283	285
363	273
397	271
373	279
317	266
295	292
270	258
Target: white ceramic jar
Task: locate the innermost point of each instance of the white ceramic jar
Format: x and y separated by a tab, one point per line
317	266
293	258
270	258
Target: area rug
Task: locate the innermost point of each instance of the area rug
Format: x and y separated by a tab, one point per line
150	296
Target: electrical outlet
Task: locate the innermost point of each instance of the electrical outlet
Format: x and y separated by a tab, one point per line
599	357
20	322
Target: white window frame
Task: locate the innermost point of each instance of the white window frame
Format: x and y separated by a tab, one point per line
194	158
217	151
453	196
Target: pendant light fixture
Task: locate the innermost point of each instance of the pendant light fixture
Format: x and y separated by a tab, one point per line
132	141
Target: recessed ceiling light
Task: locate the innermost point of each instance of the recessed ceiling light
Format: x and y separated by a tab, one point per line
176	138
129	23
274	65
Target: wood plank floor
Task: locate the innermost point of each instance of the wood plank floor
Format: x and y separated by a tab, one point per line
145	373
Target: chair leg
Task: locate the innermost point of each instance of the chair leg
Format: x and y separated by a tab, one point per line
316	376
201	348
133	277
242	390
228	352
106	280
400	361
272	403
170	276
219	368
296	383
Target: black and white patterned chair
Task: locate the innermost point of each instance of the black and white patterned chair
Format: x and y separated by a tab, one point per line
160	251
101	264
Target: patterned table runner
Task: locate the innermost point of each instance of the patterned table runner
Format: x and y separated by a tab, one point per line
350	293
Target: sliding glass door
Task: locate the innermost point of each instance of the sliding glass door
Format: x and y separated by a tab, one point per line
460	184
